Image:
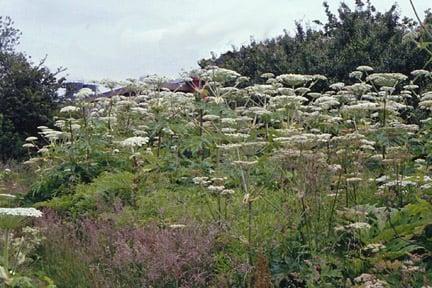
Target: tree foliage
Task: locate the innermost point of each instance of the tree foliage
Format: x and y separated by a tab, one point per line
27	94
9	36
352	37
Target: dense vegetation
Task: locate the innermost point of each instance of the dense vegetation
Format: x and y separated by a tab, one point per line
282	180
28	94
284	183
353	37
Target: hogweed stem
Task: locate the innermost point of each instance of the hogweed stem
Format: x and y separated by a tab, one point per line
6	251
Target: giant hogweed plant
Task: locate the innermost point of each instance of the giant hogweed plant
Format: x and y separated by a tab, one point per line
287	170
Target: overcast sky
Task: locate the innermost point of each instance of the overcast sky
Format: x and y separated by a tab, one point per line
117	39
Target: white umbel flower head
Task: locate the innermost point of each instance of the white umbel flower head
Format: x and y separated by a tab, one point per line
365	69
420	72
28	145
177	226
267	75
31	138
210	117
337	86
386	79
22	212
5	195
84	93
411	87
69	109
12	218
359	226
220	75
43	150
136	141
294	79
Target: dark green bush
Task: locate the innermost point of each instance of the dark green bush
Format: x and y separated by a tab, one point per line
353	37
28	94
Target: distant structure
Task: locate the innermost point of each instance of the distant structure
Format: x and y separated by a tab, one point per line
123	91
73	87
185	86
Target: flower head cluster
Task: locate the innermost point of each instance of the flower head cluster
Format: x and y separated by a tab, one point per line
136	141
69	109
22	212
386	79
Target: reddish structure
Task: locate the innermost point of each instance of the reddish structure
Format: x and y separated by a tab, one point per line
184	86
175	86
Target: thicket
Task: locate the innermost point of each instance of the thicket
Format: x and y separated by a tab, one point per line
285	183
348	39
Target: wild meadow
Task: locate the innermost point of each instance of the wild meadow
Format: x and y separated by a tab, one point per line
295	182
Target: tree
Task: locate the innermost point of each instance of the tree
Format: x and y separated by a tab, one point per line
353	37
9	36
28	94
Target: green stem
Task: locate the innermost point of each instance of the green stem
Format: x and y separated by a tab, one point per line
71	131
201	115
418	19
250	230
333	207
219	209
6	252
159	142
210	208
